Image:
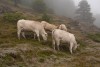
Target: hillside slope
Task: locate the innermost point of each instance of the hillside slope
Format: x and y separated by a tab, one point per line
31	53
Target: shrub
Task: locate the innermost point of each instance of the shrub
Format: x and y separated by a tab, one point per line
12	17
81	42
46	17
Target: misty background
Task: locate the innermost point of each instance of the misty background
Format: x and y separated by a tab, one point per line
68	7
95	5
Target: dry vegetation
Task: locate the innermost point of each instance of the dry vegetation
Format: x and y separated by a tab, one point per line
31	53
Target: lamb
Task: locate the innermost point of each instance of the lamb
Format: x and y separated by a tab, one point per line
33	26
48	26
63	27
65	37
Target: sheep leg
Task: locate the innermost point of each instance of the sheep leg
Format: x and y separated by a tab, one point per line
23	34
18	33
75	46
58	43
38	37
53	44
34	35
71	46
37	33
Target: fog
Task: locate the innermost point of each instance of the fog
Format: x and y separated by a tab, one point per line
67	7
97	21
62	7
95	9
95	5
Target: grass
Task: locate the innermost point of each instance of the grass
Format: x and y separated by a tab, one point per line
10	59
95	37
8	33
81	43
8	39
45	53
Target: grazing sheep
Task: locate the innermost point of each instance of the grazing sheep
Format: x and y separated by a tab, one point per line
29	25
63	27
51	27
63	36
48	26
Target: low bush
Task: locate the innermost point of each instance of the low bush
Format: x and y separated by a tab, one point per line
46	17
12	17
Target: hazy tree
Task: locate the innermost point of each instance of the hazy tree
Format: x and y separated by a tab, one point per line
39	6
83	12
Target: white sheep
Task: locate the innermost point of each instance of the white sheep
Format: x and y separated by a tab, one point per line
63	27
51	27
33	26
48	26
63	36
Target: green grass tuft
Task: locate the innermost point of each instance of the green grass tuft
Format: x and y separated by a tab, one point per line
95	37
45	53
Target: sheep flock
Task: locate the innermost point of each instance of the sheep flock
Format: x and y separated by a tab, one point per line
59	33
